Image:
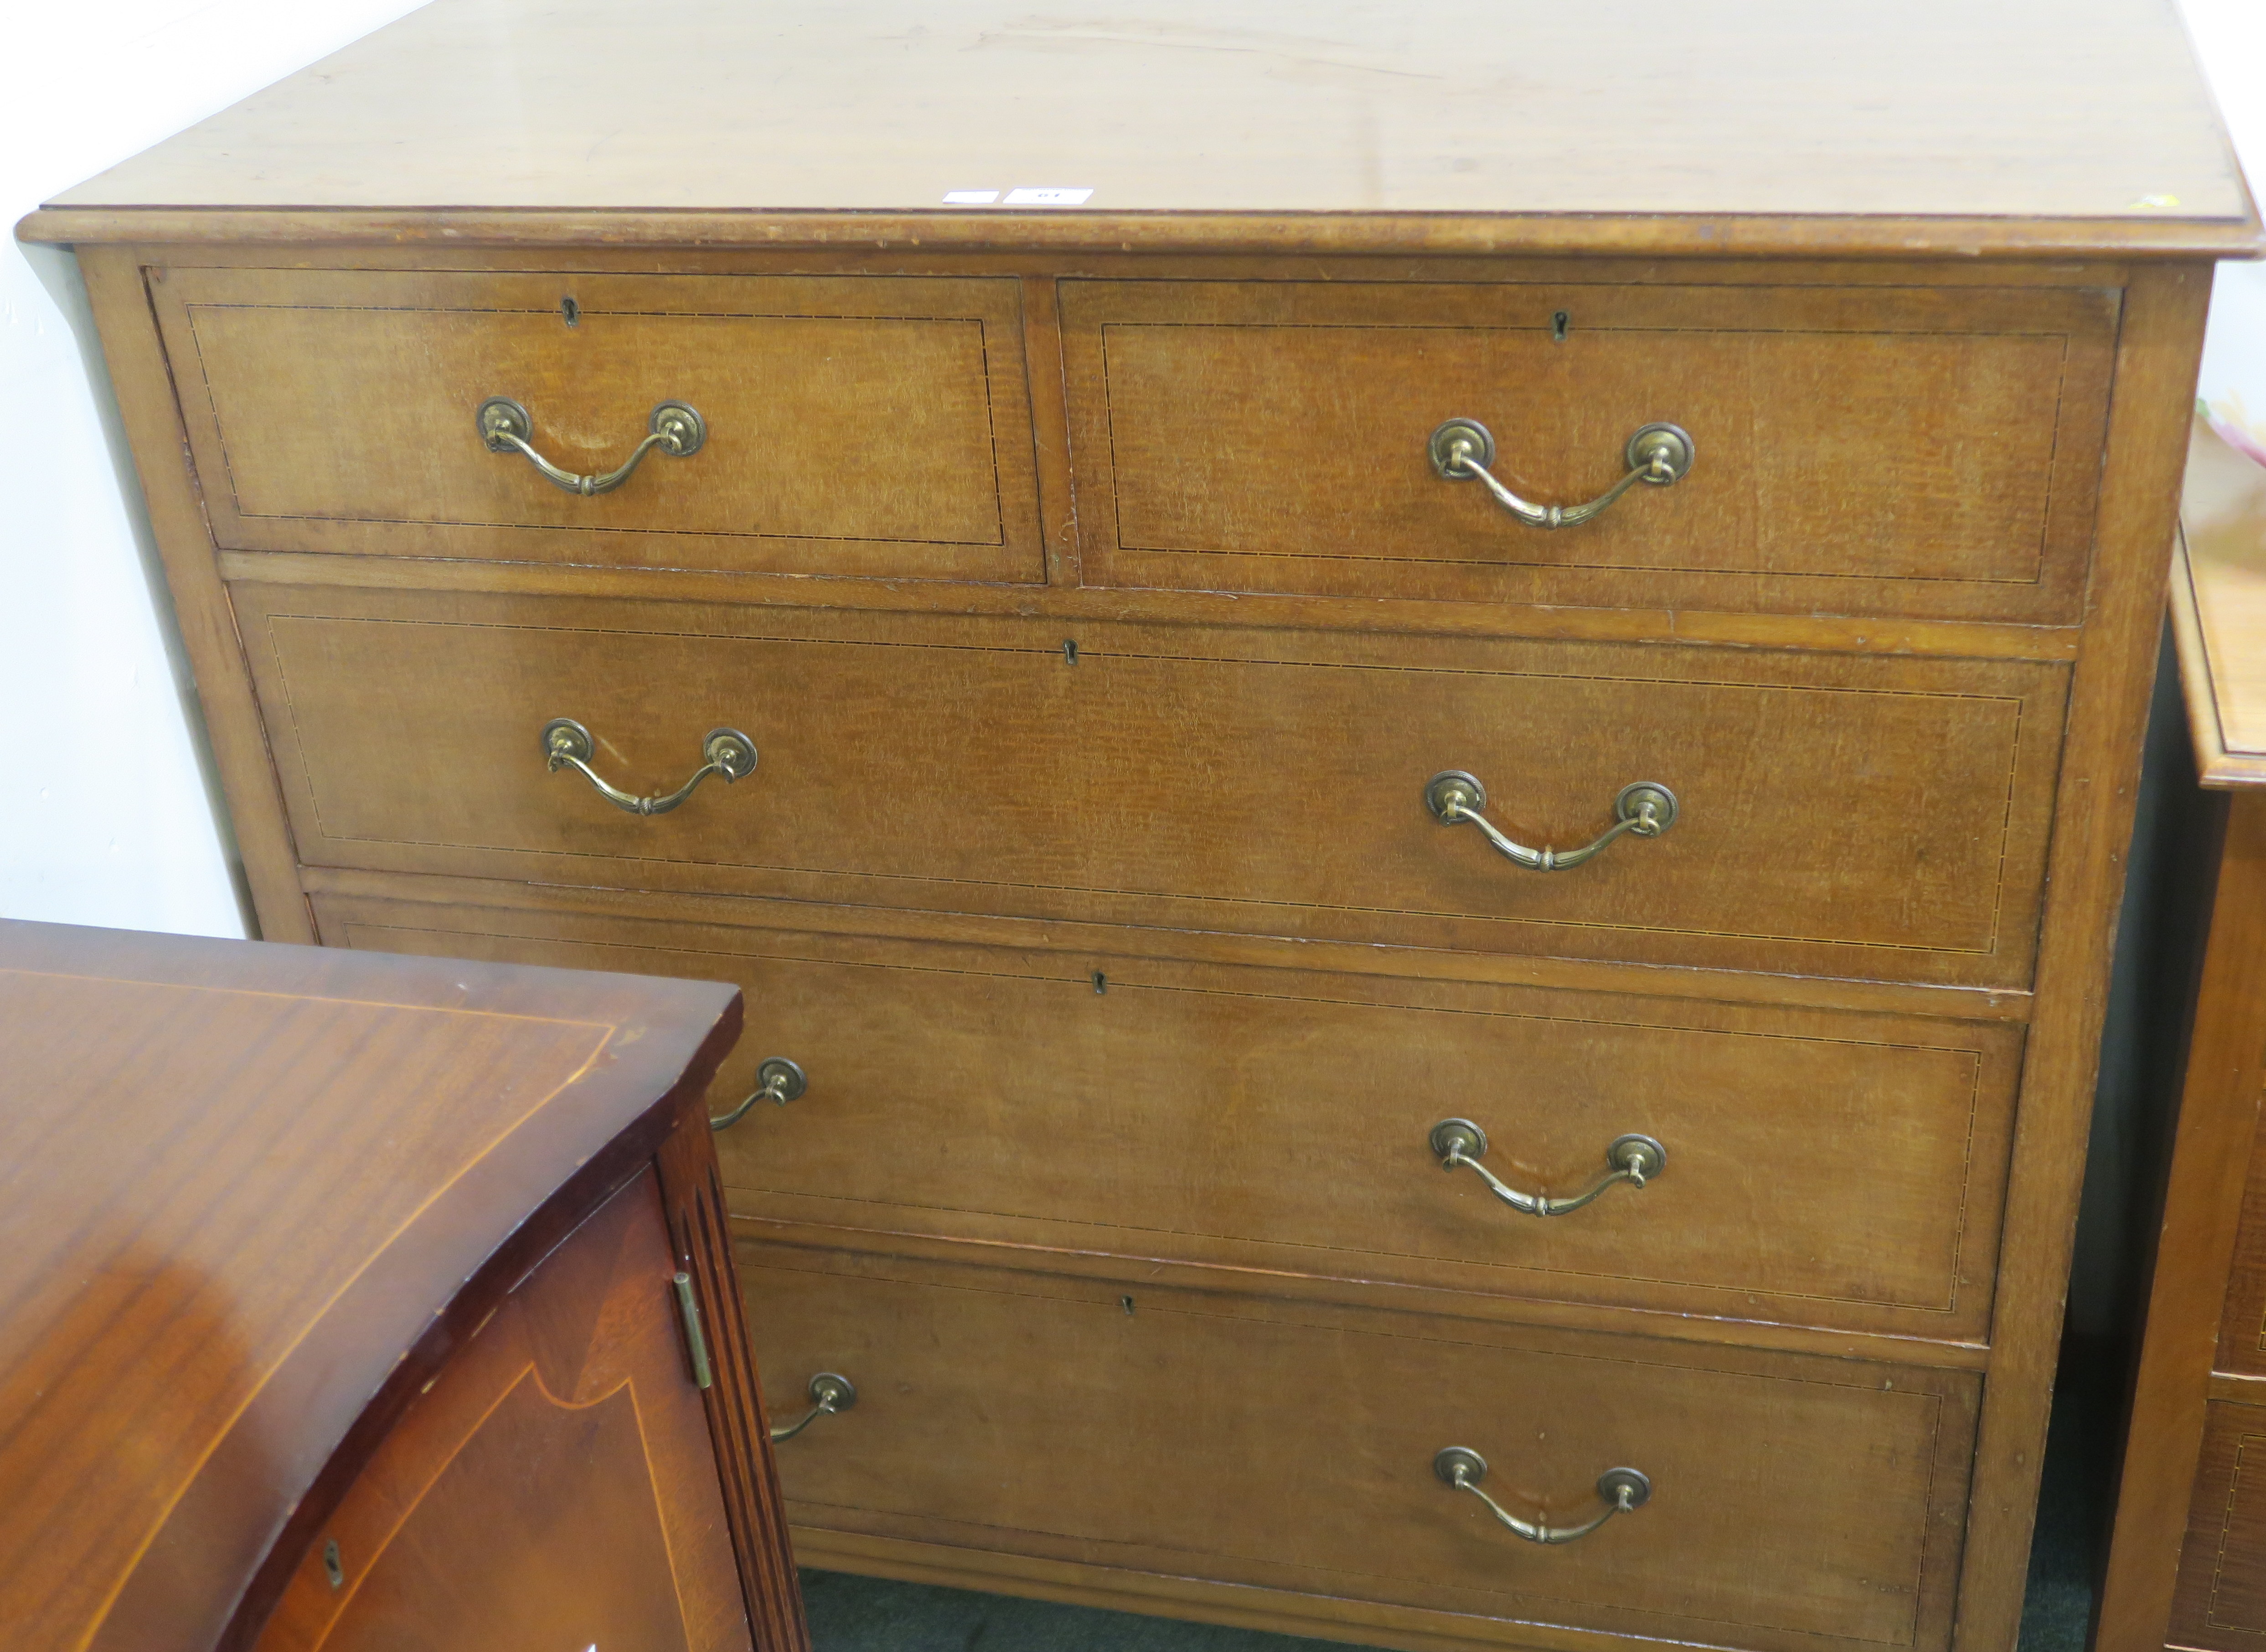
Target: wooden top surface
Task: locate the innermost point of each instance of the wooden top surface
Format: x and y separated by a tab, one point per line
2219	610
237	1183
1928	125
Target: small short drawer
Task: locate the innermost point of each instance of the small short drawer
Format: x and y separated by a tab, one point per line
1875	451
1795	1502
1858	816
1844	1171
842	425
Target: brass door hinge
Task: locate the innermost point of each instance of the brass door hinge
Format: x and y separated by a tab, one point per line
695	1340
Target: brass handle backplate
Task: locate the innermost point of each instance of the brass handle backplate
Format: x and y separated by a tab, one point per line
1635	1160
830	1393
1462	449
567	744
676	430
779	1080
1623	1490
1644	806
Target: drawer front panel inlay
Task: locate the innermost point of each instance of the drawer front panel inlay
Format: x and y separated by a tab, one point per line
1882	818
1796	1503
853	424
2221	1605
1835	1170
1890	452
556	1483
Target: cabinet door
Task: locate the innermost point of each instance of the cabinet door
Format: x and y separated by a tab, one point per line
555	1486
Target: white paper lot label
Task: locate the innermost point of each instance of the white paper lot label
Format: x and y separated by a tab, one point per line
970	197
1056	197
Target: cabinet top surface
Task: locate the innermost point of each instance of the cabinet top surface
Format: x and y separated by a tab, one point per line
1945	124
237	1183
2219	609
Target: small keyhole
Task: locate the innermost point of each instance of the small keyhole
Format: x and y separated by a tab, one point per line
1070	651
572	311
1100	982
1125	1302
332	1568
1559	322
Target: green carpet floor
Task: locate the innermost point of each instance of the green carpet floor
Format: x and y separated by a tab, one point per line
865	1614
2073	1498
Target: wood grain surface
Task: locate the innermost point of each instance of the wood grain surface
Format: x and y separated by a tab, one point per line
1640	609
2221	1602
1975	122
700	1230
2241	1341
2204	1198
1926	286
555	1484
853	425
240	1182
2158	349
2206	1310
142	378
1883	819
1215	1115
1915	450
1795	1503
2187	1557
1434	617
333	891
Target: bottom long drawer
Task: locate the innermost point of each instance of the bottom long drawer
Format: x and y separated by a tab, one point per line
1795	1502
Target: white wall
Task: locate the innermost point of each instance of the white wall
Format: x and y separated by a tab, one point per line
110	815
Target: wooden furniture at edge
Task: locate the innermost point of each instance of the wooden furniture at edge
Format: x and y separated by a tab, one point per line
2187	1564
1087	587
345	1303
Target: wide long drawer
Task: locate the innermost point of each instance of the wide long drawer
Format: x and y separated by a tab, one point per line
1824	1169
843	425
1795	1502
1852	815
1924	451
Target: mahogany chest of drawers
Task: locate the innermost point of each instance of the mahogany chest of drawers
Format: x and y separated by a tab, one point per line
362	1303
1417	758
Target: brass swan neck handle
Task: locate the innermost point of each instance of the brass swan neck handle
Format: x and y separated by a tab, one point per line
676	430
567	744
777	1080
1460	1144
830	1393
1645	807
1462	449
1624	1491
